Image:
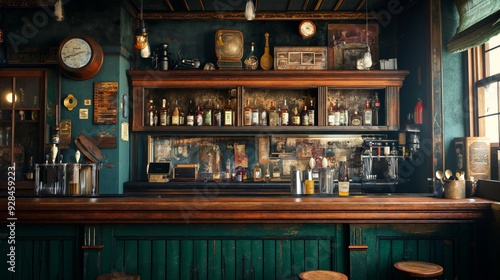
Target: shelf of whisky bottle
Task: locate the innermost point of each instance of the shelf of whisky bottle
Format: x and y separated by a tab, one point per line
264	129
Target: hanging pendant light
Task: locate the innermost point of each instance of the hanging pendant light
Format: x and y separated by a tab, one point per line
250	10
141	37
58	10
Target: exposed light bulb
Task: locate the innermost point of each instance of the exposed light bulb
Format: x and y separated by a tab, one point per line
146	51
58	10
250	10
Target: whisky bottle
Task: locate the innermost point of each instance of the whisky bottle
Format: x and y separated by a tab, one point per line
255	114
247	114
356	119
331	115
312	113
279	115
285	116
257	173
295	116
304	116
336	113
367	114
375	108
164	115
276	171
263	117
151	113
217	116
251	61
207	115
175	115
228	114
346	114
198	119
343	177
273	115
190	114
342	120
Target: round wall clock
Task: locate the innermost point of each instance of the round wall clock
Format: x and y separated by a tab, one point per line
80	57
307	29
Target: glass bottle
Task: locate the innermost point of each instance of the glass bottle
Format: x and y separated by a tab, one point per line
266	60
247	114
164	113
175	119
312	113
273	115
375	108
418	112
342	120
217	116
279	115
207	115
295	116
367	114
356	119
285	116
190	114
255	114
257	173
343	177
346	114
331	115
304	116
228	114
198	117
263	117
336	113
276	171
251	61
151	112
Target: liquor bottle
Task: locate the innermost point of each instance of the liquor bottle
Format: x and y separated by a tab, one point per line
295	116
285	116
304	116
217	116
331	115
418	112
251	61
342	120
276	171
257	173
182	119
247	114
255	114
164	113
343	177
263	117
151	112
267	174
155	117
312	113
375	108
207	115
367	114
273	115
266	60
175	119
346	114
228	114
190	114
198	117
280	117
356	119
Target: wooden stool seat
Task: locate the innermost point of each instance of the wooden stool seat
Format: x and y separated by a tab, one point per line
418	269
322	275
119	276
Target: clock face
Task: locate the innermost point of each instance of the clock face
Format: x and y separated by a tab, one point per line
307	29
76	53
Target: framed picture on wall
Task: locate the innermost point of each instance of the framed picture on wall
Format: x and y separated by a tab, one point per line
348	42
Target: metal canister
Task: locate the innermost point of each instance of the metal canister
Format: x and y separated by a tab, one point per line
296	186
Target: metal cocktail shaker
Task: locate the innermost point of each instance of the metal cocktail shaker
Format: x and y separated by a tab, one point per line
296	186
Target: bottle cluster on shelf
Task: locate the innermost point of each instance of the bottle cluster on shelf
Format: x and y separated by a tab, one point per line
299	112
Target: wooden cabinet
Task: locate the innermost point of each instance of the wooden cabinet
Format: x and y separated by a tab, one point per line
317	85
22	120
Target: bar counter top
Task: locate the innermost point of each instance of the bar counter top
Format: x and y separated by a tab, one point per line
372	208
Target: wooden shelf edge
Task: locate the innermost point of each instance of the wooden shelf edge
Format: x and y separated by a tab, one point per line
264	129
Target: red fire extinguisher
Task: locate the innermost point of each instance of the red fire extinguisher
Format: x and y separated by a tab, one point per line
418	112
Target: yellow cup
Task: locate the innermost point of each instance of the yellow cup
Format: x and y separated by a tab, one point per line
309	186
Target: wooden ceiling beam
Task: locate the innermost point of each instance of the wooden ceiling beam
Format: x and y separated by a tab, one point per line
240	15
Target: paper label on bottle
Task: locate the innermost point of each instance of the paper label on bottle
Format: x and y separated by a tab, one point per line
344	187
368	117
284	118
175	120
228	118
248	118
190	120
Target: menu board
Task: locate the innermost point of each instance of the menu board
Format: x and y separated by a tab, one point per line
105	102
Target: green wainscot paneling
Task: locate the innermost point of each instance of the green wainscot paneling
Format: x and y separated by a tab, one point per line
221	251
41	252
375	248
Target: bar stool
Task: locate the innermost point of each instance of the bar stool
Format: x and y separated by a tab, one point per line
119	276
322	275
419	270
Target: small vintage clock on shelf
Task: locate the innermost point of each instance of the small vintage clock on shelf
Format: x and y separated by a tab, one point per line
307	29
80	57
